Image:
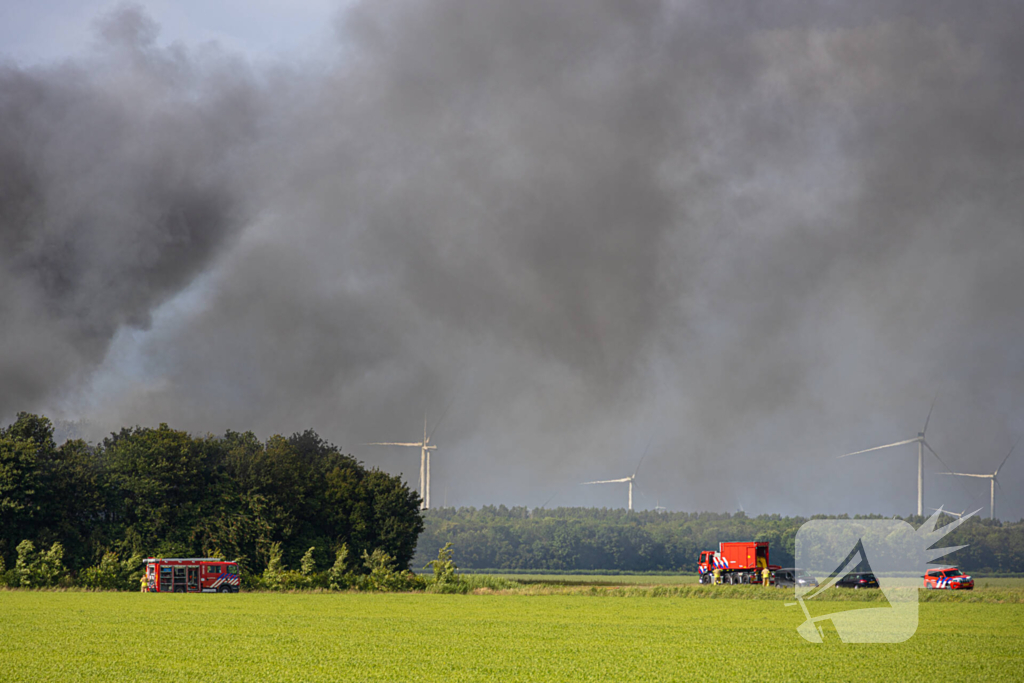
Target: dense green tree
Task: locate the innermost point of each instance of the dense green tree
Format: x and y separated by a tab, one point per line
25	449
161	491
157	476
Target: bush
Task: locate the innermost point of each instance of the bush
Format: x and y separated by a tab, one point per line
35	569
252	582
273	575
112	573
340	576
308	563
383	577
446	577
278	578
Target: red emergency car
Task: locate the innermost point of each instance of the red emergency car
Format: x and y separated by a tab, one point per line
948	578
191	575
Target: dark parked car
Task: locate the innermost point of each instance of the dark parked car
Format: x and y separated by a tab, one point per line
858	580
790	577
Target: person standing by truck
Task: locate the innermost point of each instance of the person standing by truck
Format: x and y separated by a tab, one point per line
718	576
765	576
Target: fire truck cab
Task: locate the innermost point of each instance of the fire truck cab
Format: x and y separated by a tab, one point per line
190	575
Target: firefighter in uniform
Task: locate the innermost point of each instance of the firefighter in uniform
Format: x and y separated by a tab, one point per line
718	576
145	583
765	575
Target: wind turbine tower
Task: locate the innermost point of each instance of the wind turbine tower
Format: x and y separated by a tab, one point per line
425	447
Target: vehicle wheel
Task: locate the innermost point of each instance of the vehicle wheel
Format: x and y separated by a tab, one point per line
221	589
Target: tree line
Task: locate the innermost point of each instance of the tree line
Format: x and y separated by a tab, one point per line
166	493
591	539
92	511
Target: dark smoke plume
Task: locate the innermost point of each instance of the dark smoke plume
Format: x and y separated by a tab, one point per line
763	234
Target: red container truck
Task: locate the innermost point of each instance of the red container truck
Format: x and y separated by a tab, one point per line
740	562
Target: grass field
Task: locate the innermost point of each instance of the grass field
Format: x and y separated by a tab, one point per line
601	579
414	637
675	579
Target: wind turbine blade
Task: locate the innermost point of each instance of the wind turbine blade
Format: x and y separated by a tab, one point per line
878	448
549	500
925	430
438	423
639	490
391	443
643	456
1008	456
964	474
928	446
607	481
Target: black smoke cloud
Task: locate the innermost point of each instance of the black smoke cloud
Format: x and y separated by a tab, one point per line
117	188
761	237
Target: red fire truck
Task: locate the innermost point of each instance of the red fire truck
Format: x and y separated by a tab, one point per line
190	575
740	562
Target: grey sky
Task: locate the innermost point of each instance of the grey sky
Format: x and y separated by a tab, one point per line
761	237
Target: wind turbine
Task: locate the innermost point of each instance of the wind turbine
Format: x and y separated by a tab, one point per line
993	480
425	447
921	445
624	480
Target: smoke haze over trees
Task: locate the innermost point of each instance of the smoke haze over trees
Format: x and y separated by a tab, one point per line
762	235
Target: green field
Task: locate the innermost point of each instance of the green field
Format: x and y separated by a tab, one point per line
677	579
601	579
54	636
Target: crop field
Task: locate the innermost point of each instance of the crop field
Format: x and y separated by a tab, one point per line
602	579
415	637
676	580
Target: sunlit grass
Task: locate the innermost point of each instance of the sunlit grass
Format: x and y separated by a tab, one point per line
405	637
